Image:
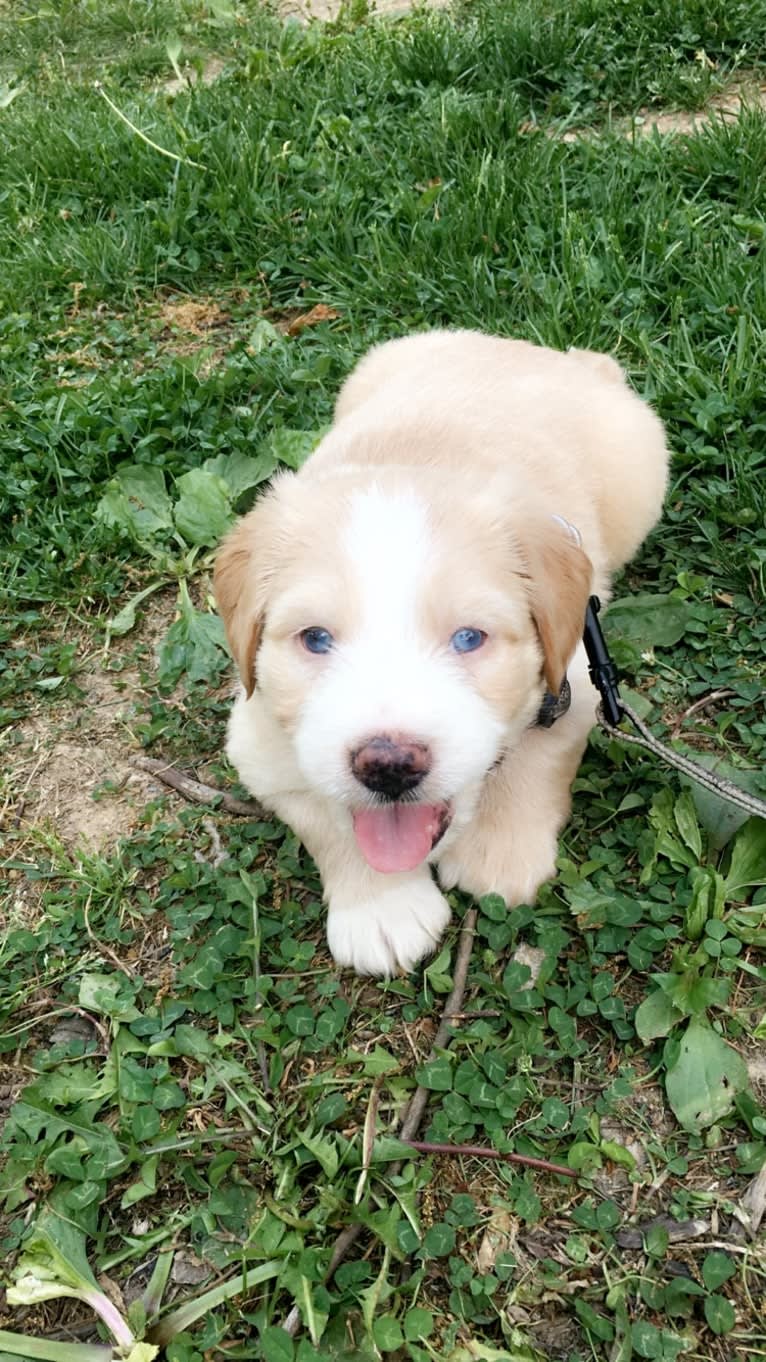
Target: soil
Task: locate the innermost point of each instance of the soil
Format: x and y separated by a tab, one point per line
64	754
329	9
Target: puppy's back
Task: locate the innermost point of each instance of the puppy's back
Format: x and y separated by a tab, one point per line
566	420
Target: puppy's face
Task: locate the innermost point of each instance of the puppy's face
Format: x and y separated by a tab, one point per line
402	641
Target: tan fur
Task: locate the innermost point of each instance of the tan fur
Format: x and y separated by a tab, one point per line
497	438
560	578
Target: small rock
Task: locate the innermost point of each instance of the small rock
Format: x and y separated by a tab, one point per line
532	957
72	1028
677	1231
188	1270
497	1238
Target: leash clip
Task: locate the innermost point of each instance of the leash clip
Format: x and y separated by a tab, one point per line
613	710
601	668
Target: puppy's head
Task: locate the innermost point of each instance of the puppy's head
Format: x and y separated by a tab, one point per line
403	638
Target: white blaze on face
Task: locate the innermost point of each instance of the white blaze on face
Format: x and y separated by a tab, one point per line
387	542
389	677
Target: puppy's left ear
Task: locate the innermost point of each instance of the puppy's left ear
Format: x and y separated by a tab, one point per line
559	576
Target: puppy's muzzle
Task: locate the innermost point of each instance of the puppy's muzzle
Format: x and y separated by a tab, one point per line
391	764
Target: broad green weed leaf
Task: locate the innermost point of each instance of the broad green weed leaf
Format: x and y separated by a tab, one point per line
195	644
691	993
719	818
754	227
376	1061
707	901
137	502
656	1016
313	1318
263	335
70	1084
241	472
222	11
704	1080
660	1344
125	619
494	907
596	1324
650	621
146	1185
617	1153
276	1345
325	1152
105	993
173	50
517	1348
203	511
32	1114
292	447
748	857
387	1149
686	822
376	1293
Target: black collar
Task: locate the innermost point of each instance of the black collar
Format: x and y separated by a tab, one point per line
554	706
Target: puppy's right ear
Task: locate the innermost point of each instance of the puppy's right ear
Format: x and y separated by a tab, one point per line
243	570
238	599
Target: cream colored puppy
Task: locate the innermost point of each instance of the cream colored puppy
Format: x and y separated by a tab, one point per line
399	608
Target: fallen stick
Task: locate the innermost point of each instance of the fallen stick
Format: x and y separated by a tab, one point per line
416	1106
477	1151
199	793
196	792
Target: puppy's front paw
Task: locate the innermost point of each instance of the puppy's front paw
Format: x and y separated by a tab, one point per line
513	870
390	933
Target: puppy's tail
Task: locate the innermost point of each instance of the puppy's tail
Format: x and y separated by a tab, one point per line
606	367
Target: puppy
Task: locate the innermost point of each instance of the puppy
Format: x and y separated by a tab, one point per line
400	608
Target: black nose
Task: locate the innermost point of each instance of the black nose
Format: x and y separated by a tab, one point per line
391	765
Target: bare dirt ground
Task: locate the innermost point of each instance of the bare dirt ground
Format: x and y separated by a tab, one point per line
329	9
747	91
69	771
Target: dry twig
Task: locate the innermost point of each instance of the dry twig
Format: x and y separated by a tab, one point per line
416	1106
477	1151
196	792
697	707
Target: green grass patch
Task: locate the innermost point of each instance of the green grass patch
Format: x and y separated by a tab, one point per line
185	1068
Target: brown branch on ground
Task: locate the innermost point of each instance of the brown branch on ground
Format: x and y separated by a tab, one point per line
488	1014
199	793
416	1106
196	792
477	1151
697	707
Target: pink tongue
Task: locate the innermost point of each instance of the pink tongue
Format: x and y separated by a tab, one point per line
398	836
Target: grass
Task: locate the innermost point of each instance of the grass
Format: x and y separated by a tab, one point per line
401	175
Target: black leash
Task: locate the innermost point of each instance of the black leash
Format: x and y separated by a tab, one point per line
613	709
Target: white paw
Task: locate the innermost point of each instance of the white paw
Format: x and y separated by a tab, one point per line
390	933
478	869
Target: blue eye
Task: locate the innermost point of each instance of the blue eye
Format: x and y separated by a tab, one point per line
317	640
467	640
